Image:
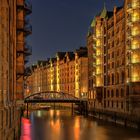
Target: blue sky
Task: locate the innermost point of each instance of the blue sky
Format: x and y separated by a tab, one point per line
62	25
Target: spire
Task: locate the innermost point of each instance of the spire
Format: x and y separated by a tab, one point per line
104	12
93	23
104	5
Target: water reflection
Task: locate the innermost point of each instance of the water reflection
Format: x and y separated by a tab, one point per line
62	125
25	129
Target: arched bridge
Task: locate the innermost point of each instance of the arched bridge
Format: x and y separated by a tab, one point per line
52	96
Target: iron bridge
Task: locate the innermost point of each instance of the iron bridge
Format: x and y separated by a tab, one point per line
52	96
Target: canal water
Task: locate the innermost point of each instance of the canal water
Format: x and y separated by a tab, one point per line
63	125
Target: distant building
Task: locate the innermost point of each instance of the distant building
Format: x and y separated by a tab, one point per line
62	74
113	53
81	73
14	27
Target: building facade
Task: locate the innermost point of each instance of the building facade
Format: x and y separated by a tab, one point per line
62	74
12	60
113	52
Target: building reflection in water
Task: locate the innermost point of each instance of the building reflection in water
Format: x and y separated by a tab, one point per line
62	125
77	128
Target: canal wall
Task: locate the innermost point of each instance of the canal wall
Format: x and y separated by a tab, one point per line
123	119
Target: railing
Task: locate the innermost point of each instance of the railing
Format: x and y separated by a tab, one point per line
133	79
28	29
133	6
99	54
132	19
133	48
28	49
26	59
28	6
27	71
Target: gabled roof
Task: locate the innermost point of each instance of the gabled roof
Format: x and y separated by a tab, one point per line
42	62
70	55
81	52
61	55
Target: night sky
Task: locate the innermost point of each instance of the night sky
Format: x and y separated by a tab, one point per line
62	25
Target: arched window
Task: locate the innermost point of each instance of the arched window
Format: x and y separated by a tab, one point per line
122	92
108	93
123	76
117	78
117	93
112	78
112	93
108	79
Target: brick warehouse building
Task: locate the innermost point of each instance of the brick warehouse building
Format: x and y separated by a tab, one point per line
14	27
113	44
63	73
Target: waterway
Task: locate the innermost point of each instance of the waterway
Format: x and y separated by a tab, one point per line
64	125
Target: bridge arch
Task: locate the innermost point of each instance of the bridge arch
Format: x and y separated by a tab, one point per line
51	96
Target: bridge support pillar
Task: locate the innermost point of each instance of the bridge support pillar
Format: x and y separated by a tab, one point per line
72	109
27	110
54	106
86	108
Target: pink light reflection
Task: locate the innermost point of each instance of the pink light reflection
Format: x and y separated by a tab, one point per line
25	129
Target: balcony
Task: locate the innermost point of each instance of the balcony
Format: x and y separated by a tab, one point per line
28	30
133	20
26	59
22	27
28	50
27	71
132	6
136	47
131	35
135	79
98	54
94	46
25	5
28	7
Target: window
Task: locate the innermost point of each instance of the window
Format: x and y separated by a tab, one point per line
112	93
122	92
113	44
112	104
117	93
123	76
108	66
121	105
118	53
117	104
108	79
112	79
112	54
108	93
117	78
105	93
112	65
108	56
